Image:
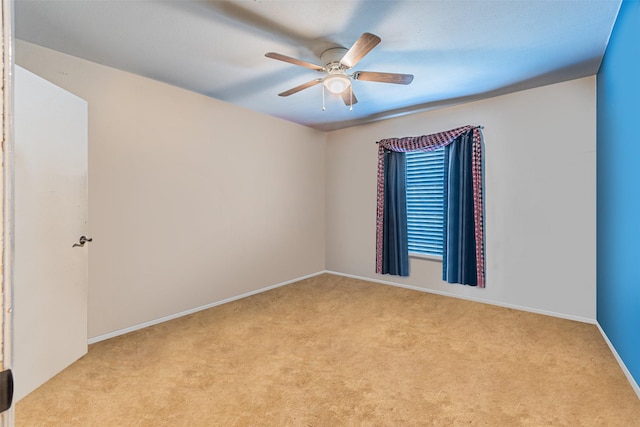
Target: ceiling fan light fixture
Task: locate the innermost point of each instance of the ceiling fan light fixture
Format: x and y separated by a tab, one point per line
337	83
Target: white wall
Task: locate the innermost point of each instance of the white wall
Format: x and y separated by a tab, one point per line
191	200
540	198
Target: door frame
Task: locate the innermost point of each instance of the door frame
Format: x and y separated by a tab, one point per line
6	201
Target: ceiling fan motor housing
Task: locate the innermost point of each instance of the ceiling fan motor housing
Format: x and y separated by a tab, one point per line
331	59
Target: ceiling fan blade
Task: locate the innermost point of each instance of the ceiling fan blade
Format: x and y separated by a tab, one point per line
300	87
294	61
349	97
372	76
360	48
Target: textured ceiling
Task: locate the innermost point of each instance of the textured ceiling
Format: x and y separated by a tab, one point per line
457	50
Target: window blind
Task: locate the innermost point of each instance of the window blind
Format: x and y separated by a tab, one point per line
425	191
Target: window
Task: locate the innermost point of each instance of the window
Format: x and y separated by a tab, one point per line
425	192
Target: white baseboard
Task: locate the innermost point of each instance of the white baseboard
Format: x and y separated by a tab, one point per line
632	381
484	301
195	310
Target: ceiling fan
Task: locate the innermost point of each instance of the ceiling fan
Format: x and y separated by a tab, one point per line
337	62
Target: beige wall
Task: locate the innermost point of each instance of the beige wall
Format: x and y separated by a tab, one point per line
540	198
192	200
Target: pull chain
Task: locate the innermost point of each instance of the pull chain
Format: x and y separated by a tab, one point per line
322	97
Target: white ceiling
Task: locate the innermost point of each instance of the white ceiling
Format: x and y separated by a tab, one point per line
457	50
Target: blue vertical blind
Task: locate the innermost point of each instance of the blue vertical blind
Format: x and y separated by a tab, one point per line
425	192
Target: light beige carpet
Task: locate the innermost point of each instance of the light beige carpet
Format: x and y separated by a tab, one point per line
333	351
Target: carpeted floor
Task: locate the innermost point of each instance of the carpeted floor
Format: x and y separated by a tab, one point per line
333	351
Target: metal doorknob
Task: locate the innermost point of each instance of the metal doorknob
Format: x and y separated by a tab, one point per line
82	241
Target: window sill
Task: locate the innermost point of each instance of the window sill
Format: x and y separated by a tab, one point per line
425	257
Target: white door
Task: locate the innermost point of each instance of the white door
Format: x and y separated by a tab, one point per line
50	276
